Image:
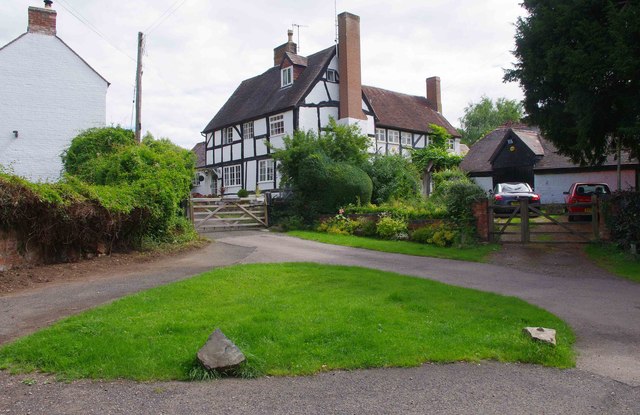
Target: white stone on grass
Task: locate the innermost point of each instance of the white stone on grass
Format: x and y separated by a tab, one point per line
541	334
219	353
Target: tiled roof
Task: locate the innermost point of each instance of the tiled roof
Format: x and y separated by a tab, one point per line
262	95
404	112
297	59
199	150
478	159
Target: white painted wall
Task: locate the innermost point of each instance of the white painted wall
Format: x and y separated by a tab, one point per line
48	94
308	119
551	186
486	183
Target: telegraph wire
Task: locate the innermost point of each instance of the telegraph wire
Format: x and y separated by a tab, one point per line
164	16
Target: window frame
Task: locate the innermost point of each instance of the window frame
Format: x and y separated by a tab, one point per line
227	135
228	174
286	76
248	130
381	132
276	125
451	144
393	137
266	171
406	139
332	76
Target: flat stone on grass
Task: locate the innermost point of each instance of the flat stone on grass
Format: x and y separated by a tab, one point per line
541	334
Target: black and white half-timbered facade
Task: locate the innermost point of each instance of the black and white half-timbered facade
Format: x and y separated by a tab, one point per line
304	93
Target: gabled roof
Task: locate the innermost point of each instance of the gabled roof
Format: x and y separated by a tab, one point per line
481	153
67	46
199	151
262	95
404	112
296	59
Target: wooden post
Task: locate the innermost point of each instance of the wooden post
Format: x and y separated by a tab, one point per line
490	219
524	221
139	87
191	216
595	219
266	212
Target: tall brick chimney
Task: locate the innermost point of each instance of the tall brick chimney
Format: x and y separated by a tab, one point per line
42	20
290	46
349	67
434	98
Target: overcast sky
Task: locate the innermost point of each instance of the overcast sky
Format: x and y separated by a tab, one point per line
203	49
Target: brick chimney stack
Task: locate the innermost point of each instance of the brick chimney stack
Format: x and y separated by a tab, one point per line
290	46
42	20
434	98
350	67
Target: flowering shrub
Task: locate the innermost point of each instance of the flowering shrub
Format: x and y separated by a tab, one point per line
391	228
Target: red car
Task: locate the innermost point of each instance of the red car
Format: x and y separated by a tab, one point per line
581	193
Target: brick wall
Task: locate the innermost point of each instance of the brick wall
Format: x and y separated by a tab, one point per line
12	255
481	214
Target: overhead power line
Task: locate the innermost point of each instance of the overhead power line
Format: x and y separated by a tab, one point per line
164	16
91	27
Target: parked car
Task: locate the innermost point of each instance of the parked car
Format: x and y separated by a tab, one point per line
581	193
510	194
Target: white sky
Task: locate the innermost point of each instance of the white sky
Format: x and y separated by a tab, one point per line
199	55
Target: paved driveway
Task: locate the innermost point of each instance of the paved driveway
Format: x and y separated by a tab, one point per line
604	311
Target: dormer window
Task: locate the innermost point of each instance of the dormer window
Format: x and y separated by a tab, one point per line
286	76
332	75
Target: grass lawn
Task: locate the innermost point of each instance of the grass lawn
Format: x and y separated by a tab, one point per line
476	254
290	319
615	261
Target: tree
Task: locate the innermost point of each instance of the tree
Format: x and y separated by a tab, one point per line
579	65
435	156
393	177
482	117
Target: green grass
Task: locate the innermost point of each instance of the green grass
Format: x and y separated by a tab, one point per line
290	319
477	253
615	261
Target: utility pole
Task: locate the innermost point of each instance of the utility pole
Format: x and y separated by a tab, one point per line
139	86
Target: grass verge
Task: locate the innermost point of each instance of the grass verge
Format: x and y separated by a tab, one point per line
290	319
477	253
615	261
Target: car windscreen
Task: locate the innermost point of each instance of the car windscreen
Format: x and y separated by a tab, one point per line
515	188
592	189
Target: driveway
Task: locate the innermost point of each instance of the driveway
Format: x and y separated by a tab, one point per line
604	311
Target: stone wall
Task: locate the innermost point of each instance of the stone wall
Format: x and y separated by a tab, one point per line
13	255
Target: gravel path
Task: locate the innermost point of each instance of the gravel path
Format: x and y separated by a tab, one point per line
603	310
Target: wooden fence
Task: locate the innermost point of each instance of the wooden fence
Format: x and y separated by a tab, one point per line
216	214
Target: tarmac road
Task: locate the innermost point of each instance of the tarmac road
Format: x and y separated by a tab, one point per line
604	312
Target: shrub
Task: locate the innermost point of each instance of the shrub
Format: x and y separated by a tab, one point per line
393	177
243	193
365	226
411	209
437	234
622	214
391	228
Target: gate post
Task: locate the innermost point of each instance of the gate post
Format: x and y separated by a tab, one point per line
524	221
595	219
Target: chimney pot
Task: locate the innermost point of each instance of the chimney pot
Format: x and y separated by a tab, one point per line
279	52
434	97
47	4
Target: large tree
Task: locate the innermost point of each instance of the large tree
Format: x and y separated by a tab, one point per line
578	62
482	117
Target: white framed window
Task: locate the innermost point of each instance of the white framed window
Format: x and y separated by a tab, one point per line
393	137
381	135
266	170
232	175
247	130
276	125
286	76
332	75
405	139
227	135
451	144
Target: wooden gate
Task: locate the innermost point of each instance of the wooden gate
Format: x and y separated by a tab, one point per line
215	214
525	223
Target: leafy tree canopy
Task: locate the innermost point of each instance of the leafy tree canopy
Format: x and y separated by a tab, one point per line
482	117
579	65
394	177
436	153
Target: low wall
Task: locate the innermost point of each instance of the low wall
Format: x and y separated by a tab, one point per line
13	255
